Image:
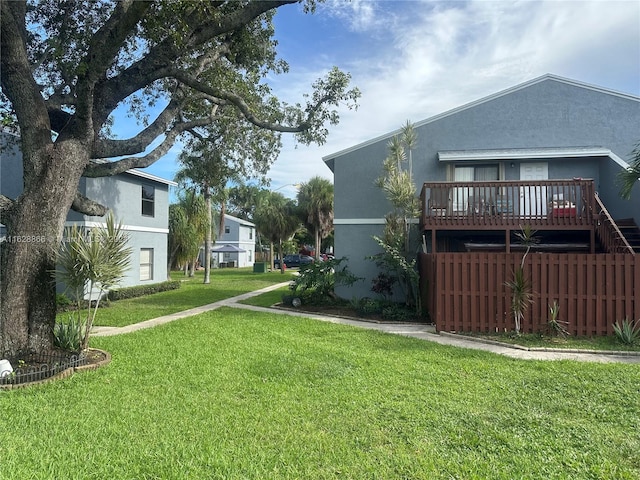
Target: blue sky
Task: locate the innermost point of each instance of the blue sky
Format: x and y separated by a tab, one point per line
415	59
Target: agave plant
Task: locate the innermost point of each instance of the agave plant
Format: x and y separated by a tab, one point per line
628	332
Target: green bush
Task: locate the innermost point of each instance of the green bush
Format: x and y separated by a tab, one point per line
316	281
370	306
63	303
397	312
142	290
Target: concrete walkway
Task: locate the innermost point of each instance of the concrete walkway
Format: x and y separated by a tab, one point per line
423	332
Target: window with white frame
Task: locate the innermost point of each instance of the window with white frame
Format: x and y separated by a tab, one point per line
146	264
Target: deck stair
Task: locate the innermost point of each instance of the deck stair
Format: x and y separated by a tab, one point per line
631	232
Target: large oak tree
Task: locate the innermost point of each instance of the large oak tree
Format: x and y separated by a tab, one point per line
67	65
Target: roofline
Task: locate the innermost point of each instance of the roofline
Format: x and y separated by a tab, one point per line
522	153
149	176
529	153
330	159
239	220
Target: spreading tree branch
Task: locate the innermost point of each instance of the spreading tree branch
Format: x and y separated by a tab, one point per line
87	206
241	104
5	204
161	58
120	166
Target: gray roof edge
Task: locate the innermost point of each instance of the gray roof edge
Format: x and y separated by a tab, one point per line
239	220
330	159
149	176
523	153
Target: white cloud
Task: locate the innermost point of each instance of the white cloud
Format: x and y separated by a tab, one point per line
415	59
438	56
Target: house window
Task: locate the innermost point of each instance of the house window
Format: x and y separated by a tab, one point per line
148	200
477	173
146	264
227	229
251	234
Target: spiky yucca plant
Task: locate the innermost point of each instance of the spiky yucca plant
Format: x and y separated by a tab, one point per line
90	263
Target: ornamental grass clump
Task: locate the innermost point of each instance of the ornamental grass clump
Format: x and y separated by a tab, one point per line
90	263
628	332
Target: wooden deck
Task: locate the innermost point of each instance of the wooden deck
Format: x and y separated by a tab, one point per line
503	207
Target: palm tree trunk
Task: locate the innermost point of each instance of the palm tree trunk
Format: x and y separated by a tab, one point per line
208	239
318	242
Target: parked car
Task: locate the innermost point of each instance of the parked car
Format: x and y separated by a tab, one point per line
293	260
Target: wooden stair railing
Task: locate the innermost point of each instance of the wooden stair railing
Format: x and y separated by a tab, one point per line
608	232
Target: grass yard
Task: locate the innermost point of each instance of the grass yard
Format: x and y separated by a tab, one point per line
225	283
234	394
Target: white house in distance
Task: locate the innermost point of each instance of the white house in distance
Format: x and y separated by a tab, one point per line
236	246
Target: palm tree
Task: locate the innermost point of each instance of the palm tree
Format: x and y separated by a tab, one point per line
207	172
315	200
629	177
410	140
276	220
188	222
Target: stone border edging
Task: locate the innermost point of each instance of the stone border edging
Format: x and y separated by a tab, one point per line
65	373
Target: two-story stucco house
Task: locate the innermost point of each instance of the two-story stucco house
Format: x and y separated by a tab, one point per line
137	199
544	153
236	246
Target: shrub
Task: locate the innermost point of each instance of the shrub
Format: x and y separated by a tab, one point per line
628	332
383	284
63	303
396	312
319	280
370	306
142	290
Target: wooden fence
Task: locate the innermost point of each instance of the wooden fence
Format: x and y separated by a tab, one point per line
466	292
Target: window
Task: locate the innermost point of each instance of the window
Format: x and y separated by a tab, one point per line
478	173
251	234
146	264
148	200
227	229
470	199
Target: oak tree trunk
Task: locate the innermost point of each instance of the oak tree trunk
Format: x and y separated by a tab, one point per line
35	226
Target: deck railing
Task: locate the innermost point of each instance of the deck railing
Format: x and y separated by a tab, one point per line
541	204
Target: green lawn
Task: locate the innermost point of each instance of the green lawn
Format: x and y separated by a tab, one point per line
234	394
268	299
225	283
